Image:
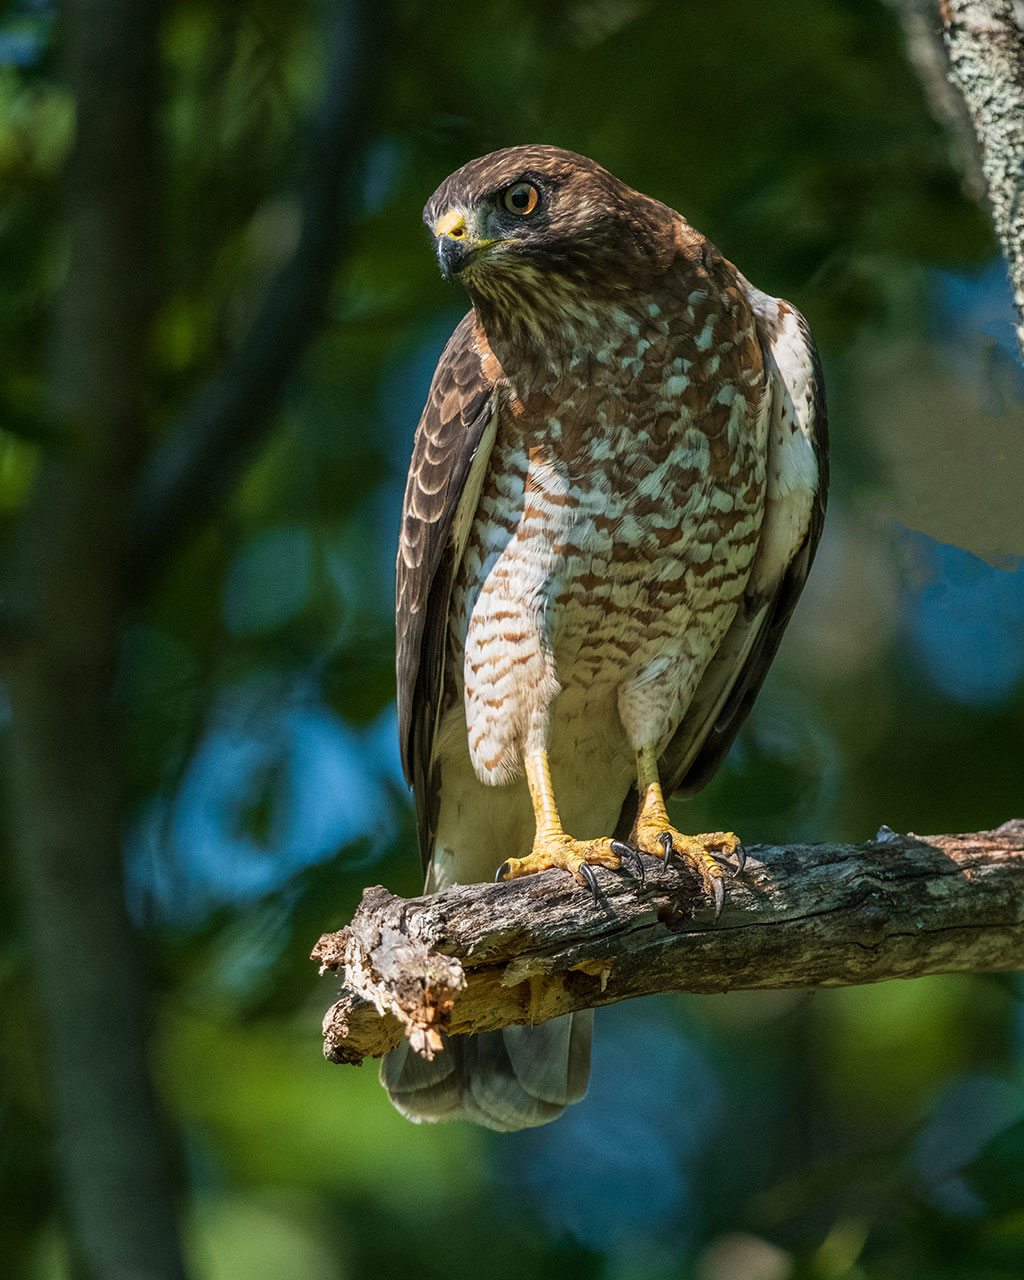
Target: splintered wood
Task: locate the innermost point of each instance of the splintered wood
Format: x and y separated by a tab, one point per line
478	957
409	986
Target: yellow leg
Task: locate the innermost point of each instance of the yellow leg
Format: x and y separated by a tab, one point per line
551	846
655	834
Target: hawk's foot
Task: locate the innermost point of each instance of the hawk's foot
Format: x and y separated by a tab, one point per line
556	849
658	837
655	834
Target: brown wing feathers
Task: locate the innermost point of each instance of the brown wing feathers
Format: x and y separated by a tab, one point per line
454	420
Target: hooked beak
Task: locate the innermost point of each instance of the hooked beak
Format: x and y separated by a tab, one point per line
453	243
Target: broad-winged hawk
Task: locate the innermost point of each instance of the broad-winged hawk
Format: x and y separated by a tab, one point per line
617	487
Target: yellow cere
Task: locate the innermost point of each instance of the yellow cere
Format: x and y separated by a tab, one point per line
451	224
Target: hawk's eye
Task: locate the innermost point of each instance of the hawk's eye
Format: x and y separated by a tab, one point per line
522	198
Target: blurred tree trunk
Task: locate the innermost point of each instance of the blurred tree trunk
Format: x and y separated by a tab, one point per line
986	60
65	765
195	465
977	46
105	515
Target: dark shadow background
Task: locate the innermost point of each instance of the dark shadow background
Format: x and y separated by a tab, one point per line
865	1134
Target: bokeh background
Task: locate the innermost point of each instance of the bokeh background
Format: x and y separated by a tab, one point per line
863	1134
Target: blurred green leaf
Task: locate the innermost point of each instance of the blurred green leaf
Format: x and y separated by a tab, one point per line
997	1174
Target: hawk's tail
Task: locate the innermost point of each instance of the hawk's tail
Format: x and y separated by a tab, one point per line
510	1079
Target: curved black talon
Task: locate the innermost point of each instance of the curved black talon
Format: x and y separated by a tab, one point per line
718	890
631	860
587	872
665	840
741	859
499	875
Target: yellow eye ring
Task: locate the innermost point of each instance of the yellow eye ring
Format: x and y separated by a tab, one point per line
521	198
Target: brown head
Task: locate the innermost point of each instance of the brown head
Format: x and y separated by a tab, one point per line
535	228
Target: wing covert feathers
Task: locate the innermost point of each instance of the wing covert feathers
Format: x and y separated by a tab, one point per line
450	453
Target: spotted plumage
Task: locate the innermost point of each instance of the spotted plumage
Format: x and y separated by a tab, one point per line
616	490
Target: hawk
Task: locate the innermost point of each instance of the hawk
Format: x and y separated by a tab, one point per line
617	488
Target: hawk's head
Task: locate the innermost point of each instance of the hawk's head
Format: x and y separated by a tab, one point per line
528	222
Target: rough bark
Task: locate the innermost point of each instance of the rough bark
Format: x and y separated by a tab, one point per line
478	957
984	60
923	32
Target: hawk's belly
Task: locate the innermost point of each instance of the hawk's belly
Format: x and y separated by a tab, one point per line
586	610
591	599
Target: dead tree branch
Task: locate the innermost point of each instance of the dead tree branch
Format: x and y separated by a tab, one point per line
478	957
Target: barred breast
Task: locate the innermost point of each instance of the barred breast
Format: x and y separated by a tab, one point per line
612	542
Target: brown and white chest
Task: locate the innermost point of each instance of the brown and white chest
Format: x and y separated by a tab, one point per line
614	531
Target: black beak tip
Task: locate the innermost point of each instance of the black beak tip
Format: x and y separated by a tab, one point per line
452	256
